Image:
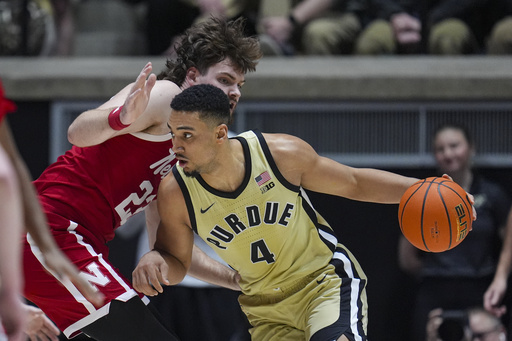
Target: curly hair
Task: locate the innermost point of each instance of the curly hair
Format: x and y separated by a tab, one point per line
210	42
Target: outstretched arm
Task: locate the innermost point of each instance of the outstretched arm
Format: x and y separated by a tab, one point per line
93	127
301	165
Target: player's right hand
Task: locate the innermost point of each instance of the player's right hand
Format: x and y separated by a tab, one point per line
150	274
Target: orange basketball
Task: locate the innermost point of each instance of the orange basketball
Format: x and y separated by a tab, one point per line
435	214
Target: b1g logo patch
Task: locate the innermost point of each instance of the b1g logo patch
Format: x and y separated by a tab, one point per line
263	180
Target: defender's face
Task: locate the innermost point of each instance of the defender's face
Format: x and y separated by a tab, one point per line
452	151
193	142
224	76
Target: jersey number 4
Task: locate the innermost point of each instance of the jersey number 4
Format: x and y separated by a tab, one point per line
260	252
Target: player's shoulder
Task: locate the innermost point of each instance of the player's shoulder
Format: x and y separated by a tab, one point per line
165	88
159	106
286	144
164	83
169	183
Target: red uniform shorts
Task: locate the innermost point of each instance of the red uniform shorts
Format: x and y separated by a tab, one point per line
59	298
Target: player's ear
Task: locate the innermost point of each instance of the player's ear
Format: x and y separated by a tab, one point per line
192	74
222	133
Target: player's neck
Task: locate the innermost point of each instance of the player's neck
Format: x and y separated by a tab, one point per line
229	171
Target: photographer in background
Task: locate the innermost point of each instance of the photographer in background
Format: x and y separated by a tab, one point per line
476	272
474	324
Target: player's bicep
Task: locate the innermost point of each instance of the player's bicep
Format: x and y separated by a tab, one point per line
328	176
301	165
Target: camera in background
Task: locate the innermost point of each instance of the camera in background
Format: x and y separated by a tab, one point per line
454	324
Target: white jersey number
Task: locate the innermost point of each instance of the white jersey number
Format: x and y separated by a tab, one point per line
134	199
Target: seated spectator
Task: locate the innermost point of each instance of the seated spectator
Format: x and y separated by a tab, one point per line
441	27
500	40
395	28
467	325
167	19
26	28
64	26
314	27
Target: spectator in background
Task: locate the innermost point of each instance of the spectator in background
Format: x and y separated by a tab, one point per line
314	27
26	28
476	271
442	27
396	28
472	324
166	20
64	26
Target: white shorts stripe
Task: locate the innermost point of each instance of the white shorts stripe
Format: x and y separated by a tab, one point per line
107	266
354	293
64	281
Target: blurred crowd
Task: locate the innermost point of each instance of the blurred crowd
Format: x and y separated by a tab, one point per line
292	27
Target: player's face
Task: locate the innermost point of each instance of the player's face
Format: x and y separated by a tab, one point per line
193	142
452	151
224	76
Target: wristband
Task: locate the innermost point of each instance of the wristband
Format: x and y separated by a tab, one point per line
114	121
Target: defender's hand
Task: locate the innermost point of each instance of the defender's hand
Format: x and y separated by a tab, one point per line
138	99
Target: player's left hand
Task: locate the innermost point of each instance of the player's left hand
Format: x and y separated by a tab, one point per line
150	273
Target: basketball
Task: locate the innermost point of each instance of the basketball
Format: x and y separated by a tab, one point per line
435	214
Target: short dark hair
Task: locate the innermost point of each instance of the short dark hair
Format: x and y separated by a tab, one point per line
210	42
210	102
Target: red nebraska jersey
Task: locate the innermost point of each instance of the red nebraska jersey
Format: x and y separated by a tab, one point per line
100	187
86	194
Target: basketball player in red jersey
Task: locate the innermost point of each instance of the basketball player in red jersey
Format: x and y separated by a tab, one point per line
122	150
